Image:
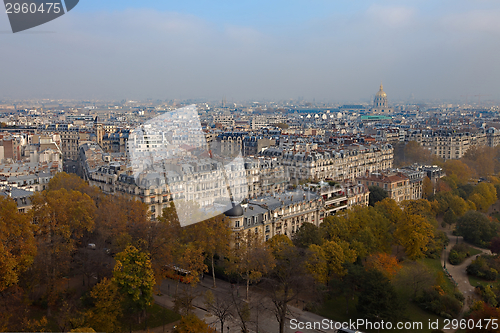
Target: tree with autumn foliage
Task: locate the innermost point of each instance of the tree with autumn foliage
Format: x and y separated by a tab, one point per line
191	324
427	188
449	201
483	196
278	244
61	218
410	224
457	172
385	263
251	257
483	160
17	243
105	315
213	236
414	233
412	152
288	278
480	314
135	279
327	261
365	229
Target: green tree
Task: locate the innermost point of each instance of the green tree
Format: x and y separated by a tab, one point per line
135	279
450	217
378	299
307	234
477	228
350	284
376	194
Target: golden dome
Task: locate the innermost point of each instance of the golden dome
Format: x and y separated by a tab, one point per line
381	92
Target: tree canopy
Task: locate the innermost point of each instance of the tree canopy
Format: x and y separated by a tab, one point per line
376	194
477	228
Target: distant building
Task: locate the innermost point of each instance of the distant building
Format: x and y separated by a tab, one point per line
380	103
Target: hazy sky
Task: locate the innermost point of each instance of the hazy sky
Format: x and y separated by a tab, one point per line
322	49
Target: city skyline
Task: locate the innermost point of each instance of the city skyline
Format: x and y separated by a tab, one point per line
256	51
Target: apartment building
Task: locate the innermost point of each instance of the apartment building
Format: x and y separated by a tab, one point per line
226	120
284	213
451	144
396	184
280	214
340	164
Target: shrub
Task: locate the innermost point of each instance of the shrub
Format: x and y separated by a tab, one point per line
443	305
485	267
458	295
490	274
459	253
454	258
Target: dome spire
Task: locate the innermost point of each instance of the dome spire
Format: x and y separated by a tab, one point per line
381	86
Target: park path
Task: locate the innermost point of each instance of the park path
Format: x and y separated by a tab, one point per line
458	273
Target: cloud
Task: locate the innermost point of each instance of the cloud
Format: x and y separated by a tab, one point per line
391	16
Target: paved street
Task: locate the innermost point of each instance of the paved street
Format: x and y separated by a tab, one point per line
262	322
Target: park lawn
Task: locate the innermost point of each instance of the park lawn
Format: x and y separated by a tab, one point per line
157	316
474	252
434	265
475	281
